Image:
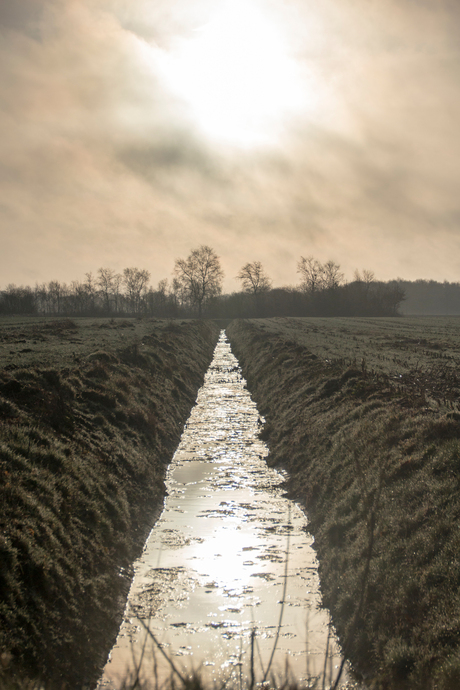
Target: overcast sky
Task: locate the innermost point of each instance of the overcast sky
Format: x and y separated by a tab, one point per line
133	131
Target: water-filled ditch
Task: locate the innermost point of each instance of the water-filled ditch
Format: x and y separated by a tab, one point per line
228	556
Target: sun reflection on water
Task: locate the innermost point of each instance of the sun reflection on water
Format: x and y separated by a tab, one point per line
213	568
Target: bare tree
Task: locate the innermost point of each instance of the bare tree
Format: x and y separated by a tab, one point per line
199	277
105	281
56	292
366	276
90	287
311	272
117	283
365	283
40	292
163	294
77	297
254	279
109	284
161	302
135	282
316	276
332	275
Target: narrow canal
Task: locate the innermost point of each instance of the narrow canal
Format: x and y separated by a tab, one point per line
228	556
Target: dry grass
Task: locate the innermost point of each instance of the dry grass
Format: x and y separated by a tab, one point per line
377	465
91	413
362	412
420	353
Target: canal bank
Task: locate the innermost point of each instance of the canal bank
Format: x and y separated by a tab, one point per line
378	474
229	567
91	413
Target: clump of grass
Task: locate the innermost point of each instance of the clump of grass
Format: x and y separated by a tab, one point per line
59	325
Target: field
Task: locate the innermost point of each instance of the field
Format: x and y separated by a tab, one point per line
45	342
392	345
363	415
419	354
91	412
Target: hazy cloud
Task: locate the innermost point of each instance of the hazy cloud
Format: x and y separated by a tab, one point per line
103	162
24	17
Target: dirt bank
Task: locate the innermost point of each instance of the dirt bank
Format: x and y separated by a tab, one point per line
378	469
90	414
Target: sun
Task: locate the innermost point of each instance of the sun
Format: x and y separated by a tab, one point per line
237	76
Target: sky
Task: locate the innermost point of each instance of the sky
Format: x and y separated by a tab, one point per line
133	131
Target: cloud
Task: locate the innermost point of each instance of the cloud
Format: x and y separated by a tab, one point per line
102	163
24	17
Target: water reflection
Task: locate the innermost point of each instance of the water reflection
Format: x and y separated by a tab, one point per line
214	566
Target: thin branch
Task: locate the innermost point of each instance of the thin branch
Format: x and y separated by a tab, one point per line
170	661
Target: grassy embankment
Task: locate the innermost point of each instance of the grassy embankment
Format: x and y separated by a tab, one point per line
90	414
363	415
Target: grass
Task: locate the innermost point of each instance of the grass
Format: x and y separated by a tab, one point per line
363	413
418	353
266	679
90	414
376	462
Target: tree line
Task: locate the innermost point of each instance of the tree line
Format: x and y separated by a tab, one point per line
196	290
431	297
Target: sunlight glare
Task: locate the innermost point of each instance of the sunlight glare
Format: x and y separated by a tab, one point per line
228	568
237	76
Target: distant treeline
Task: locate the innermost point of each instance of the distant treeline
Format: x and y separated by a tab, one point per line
430	297
352	299
136	298
196	290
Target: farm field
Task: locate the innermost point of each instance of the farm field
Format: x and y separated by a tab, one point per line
419	353
45	342
363	414
392	346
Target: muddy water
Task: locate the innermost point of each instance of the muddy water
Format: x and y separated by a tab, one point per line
215	564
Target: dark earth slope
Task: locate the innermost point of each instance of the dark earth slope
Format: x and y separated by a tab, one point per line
377	467
91	412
